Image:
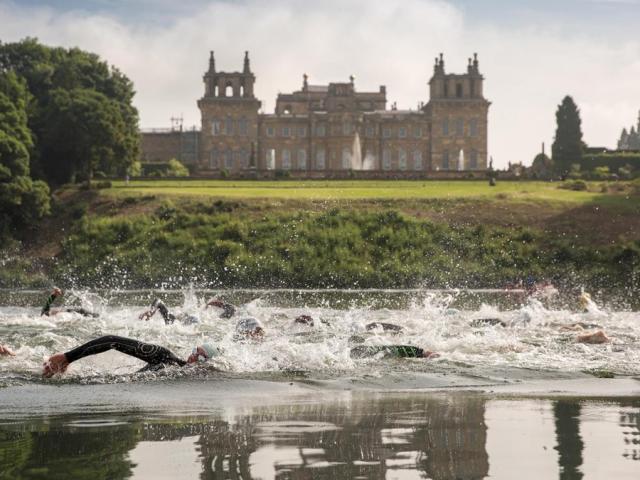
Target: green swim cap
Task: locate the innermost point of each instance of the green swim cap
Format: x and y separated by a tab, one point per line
211	350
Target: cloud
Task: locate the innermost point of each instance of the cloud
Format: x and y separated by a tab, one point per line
380	42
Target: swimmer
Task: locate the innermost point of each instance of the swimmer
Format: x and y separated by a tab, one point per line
249	328
228	310
304	320
159	306
394	351
157	357
386	327
48	311
593	338
4	350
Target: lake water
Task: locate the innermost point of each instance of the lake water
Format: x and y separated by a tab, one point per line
521	401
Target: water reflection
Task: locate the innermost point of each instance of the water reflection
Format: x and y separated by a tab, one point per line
444	436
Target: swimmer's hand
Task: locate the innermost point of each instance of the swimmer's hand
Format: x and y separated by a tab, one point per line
57	363
6	351
428	354
146	315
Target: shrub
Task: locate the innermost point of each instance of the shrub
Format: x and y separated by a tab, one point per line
576	185
176	169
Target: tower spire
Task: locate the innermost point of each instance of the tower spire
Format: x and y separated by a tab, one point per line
247	67
475	62
305	82
212	62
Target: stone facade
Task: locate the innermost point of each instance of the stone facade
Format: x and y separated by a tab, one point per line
334	130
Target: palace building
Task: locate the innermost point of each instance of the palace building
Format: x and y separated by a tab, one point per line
332	130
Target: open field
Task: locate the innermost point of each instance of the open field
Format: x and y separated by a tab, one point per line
372	189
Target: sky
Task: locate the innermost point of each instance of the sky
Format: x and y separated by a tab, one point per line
532	53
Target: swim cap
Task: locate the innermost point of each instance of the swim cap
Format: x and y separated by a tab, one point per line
211	350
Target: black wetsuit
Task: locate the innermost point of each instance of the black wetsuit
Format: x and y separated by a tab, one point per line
46	310
228	310
155	355
399	351
481	322
169	317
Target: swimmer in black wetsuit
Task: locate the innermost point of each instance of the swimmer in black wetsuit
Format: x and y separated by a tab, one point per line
156	356
48	311
228	310
397	351
159	306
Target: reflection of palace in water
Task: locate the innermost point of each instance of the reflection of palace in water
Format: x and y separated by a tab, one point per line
391	436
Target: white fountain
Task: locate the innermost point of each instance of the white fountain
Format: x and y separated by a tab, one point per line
356	153
461	160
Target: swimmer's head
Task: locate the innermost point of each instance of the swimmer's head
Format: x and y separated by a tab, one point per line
56	292
203	352
304	320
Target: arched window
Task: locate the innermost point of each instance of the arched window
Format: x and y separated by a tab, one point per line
302	159
242	90
287	110
228	90
215	90
459	90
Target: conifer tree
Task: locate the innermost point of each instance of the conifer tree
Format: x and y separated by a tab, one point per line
567	146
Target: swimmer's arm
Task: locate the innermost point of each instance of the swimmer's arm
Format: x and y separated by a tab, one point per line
148	314
152	354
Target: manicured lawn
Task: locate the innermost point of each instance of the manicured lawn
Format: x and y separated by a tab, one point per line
368	189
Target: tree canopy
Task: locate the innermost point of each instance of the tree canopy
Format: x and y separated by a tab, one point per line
79	110
568	146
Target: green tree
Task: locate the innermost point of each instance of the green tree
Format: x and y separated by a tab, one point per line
85	134
177	169
542	166
50	71
22	201
567	147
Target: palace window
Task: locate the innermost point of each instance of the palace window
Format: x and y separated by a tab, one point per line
243	126
473	127
386	159
445	161
302	132
346	158
459	127
228	126
459	90
302	159
270	132
271	158
417	160
228	159
286	159
347	128
286	132
214	159
237	158
244	158
402	159
417	132
445	127
321	130
320	159
473	159
386	132
402	132
370	131
215	126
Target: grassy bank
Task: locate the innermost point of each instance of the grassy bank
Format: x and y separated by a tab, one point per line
334	234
